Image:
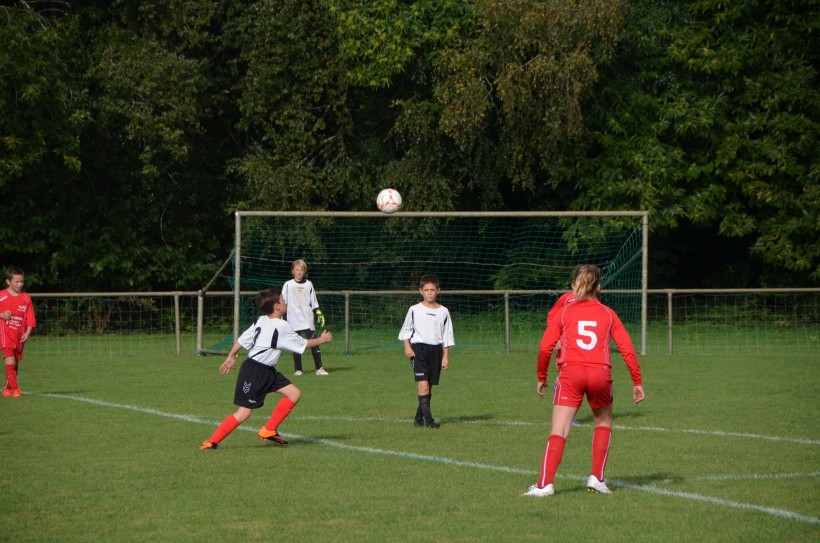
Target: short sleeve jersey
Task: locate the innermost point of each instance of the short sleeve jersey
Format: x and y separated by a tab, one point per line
585	328
301	300
432	326
267	338
22	315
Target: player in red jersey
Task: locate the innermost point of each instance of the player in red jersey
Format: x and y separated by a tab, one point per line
584	328
563	301
16	323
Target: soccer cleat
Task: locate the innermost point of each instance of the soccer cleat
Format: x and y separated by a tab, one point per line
596	486
322	371
548	490
433	425
7	392
16	393
297	373
272	436
418	422
575	422
208	445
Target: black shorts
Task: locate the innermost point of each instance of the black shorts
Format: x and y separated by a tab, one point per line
254	382
427	362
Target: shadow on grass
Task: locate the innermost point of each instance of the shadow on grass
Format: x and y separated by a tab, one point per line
652	479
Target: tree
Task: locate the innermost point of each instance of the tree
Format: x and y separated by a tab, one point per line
43	111
708	117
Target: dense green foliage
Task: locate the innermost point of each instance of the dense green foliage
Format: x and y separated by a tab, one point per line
130	132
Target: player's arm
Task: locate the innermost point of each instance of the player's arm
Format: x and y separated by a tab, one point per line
26	334
230	361
408	350
624	343
5	315
551	336
326	337
445	358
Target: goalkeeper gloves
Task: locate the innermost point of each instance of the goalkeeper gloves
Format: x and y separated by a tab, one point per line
320	318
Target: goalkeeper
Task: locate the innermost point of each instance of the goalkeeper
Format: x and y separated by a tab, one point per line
303	310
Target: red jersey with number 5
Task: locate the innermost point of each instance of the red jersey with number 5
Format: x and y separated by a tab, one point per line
22	316
585	328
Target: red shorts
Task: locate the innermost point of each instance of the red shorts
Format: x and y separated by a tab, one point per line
575	380
12	346
15	350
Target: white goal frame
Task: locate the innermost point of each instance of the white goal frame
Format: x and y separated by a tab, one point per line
644	215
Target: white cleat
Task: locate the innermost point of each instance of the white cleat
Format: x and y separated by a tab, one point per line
548	490
297	373
322	371
599	487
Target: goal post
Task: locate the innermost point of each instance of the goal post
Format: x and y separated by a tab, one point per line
500	272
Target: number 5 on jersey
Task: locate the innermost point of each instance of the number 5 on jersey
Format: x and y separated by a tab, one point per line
584	330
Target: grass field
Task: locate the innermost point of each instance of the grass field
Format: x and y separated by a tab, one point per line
725	448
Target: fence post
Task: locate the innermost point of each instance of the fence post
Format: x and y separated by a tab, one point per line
176	322
507	321
669	321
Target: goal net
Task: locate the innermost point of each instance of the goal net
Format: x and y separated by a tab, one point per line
499	272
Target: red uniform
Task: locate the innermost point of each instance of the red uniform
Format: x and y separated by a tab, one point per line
11	330
584	328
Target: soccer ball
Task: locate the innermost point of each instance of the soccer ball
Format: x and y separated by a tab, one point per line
389	201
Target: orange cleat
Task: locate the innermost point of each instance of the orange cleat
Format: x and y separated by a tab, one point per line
206	445
7	392
16	393
272	436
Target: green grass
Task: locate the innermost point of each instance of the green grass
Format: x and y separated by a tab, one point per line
105	448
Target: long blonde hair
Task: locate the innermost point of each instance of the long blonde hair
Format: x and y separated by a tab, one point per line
586	281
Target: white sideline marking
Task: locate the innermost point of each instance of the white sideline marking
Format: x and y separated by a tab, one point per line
781	513
802	441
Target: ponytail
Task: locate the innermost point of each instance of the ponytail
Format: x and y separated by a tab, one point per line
586	280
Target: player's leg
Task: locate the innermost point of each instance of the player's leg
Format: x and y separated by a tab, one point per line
228	425
290	397
12	386
317	355
600	400
297	358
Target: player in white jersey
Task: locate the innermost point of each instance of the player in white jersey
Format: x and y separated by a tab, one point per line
303	309
264	340
427	333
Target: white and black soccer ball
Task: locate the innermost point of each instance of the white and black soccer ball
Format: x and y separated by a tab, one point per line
388	201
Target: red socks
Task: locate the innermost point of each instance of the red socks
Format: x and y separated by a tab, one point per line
552	457
600	450
283	409
11	377
228	425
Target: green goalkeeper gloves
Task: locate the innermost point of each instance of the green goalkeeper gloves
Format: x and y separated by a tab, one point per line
320	318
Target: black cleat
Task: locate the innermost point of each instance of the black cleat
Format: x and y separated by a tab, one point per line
433	425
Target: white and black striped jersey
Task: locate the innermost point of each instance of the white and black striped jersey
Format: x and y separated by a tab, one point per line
267	338
301	300
432	326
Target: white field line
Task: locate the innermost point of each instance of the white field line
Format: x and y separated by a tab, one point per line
717	433
781	513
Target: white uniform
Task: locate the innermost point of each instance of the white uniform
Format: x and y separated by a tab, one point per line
301	300
268	337
425	325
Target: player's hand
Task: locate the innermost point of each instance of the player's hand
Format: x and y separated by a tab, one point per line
539	388
638	394
409	352
227	365
320	318
326	336
444	363
6	315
